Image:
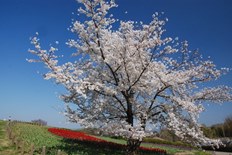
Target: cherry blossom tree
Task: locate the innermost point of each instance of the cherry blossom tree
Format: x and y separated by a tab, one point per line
128	79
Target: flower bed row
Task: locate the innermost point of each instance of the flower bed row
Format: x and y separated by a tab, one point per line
69	134
83	137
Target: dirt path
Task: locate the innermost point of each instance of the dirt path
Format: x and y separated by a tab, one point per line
5	146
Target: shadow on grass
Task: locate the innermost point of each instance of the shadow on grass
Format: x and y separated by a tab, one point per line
78	147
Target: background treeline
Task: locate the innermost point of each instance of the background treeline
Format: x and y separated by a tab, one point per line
222	131
219	130
39	122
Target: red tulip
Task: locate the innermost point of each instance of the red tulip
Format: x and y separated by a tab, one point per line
69	134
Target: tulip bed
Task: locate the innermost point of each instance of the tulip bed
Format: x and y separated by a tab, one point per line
80	137
69	134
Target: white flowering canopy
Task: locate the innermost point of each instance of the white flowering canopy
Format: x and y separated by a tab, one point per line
129	78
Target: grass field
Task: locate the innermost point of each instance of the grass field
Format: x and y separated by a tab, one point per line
5	146
39	136
170	150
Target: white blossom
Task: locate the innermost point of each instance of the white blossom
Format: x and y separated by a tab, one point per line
126	79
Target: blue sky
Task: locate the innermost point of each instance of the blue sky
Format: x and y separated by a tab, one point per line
25	95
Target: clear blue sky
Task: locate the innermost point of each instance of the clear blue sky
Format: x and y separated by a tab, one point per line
24	95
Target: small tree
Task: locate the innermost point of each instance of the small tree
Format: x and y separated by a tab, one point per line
127	79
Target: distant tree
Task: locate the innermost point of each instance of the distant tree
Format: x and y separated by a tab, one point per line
168	135
39	122
218	129
130	77
228	126
209	131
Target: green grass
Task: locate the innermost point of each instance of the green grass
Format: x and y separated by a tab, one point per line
201	153
118	141
162	141
5	147
2	125
169	149
39	136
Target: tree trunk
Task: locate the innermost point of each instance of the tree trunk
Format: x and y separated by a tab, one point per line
132	146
